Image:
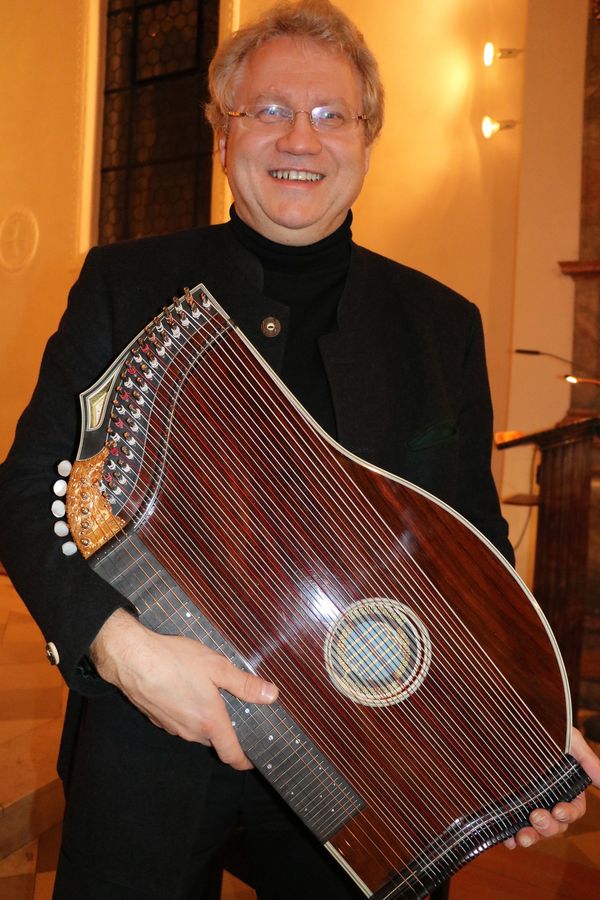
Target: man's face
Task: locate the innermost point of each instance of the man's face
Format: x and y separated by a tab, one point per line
300	75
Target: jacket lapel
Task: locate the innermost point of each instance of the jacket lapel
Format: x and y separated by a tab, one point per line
235	278
357	370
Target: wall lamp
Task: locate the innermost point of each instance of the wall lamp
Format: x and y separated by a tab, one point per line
490	127
490	53
574	379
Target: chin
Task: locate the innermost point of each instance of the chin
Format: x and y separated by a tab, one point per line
300	219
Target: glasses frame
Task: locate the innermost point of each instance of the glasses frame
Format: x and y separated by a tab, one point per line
244	114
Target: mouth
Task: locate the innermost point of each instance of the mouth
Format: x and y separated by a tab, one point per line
295	175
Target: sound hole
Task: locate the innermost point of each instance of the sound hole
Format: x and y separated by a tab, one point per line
378	652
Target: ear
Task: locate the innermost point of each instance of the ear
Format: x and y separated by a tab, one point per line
222	140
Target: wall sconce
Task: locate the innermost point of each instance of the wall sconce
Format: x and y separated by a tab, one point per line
490	53
574	379
489	126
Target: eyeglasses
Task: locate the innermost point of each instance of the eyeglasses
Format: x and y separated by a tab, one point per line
335	117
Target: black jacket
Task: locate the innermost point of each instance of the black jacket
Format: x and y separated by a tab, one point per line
406	370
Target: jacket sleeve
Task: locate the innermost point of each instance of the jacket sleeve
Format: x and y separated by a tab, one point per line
476	494
66	598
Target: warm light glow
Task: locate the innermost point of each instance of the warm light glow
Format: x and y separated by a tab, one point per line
489	127
489	54
574	379
500	437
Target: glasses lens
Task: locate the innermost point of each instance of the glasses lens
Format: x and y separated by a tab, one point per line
328	118
271	114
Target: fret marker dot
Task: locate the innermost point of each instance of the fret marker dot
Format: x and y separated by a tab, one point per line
270	737
246	710
269	766
188	615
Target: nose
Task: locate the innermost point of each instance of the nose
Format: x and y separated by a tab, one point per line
301	137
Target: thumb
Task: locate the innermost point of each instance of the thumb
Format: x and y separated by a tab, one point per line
585	756
247	686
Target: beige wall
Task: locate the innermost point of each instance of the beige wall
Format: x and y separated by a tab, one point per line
48	56
488	218
441	197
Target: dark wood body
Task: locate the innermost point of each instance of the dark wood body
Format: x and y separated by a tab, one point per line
268	526
283	648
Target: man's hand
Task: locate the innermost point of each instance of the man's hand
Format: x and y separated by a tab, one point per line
549	824
175	681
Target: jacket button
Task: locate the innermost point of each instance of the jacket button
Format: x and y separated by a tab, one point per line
52	654
270	326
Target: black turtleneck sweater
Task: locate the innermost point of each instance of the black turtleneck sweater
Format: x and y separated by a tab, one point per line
309	280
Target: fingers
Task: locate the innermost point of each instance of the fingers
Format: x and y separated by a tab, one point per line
548	824
545	823
246	686
225	743
570	812
204	720
526	837
176	683
189	703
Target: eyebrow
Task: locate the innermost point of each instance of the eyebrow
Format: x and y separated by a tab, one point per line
281	100
270	98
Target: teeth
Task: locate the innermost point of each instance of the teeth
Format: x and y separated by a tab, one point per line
295	175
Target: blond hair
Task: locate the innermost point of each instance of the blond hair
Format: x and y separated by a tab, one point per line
317	20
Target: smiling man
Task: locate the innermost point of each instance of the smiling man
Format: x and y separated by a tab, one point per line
295	148
388	361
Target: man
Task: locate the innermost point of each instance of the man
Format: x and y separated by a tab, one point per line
296	103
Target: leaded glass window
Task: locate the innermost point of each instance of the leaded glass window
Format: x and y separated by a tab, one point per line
156	147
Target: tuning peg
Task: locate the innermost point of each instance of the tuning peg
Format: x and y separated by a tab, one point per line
64	468
58	509
61	529
60	487
69	548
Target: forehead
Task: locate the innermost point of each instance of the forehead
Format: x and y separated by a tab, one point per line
295	68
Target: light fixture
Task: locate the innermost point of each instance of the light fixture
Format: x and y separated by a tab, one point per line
489	126
527	351
490	53
574	379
